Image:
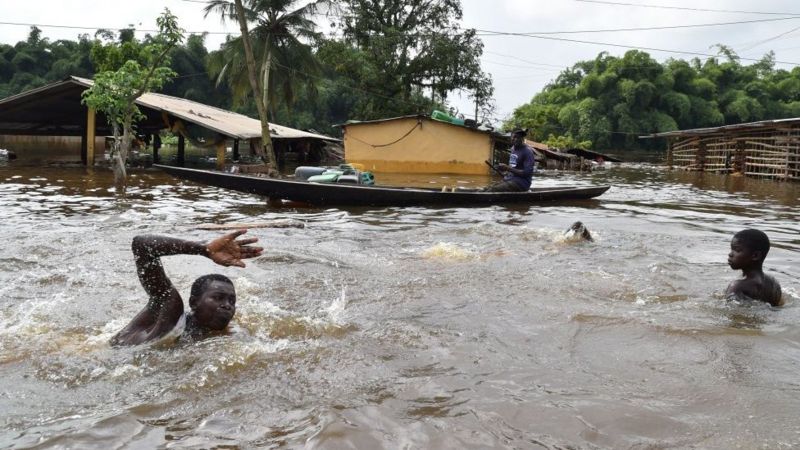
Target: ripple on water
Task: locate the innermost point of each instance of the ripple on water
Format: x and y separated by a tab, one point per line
404	327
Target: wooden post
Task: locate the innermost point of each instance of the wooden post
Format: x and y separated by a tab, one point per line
83	145
236	150
739	157
670	145
280	153
156	146
181	150
221	155
701	155
87	139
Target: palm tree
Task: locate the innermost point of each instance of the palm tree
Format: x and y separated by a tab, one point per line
280	44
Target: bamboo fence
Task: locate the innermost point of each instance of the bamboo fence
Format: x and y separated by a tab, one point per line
772	153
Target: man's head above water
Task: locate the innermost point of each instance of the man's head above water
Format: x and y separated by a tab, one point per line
212	301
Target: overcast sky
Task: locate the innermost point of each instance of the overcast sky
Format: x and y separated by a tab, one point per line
519	65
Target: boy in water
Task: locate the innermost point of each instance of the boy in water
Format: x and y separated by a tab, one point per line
212	301
749	248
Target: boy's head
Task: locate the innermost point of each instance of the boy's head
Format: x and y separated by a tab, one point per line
213	301
748	249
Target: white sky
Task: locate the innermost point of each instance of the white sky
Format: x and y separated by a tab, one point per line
520	66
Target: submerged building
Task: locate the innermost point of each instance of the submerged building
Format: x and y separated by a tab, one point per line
420	144
766	149
53	118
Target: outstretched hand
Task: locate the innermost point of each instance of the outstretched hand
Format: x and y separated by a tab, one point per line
227	251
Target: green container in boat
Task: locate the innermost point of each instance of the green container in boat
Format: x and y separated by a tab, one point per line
367	178
325	178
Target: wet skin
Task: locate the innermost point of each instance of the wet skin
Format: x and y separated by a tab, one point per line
212	309
756	285
216	306
741	257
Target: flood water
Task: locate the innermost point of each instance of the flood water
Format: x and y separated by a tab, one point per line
441	328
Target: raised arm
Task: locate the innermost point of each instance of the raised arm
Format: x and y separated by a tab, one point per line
165	307
147	252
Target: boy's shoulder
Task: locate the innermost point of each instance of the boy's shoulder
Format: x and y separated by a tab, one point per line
771	290
762	287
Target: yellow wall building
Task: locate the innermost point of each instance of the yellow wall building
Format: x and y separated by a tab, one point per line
419	144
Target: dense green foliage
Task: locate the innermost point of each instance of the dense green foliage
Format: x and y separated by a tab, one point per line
396	57
37	61
128	69
374	68
610	101
280	37
408	47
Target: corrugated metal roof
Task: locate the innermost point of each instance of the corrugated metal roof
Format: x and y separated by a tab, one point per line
711	130
422	116
228	123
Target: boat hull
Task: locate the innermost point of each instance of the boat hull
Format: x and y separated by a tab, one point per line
360	195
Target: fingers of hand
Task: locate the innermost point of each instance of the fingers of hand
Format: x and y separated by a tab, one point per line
235	234
247	241
250	252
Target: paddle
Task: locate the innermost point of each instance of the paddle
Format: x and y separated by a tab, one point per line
494	168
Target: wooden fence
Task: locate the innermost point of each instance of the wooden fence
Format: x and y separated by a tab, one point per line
768	153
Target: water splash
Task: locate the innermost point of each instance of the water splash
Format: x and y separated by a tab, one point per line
447	251
337	307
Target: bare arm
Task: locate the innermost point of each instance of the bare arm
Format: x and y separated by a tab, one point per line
165	305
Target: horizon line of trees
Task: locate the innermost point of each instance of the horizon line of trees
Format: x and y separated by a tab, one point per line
607	102
398	57
390	58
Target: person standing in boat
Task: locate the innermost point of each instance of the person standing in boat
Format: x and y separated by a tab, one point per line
518	173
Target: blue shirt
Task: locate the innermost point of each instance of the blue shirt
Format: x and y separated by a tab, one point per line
521	158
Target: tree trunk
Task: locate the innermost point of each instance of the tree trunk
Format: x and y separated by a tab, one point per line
120	155
265	72
266	141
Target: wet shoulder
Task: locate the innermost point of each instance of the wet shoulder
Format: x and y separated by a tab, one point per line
771	291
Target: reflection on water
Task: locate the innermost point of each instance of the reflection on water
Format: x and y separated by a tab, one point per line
404	327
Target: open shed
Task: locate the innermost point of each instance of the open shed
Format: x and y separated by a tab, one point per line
56	110
767	149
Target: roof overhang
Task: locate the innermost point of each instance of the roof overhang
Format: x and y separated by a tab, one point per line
56	109
492	133
725	128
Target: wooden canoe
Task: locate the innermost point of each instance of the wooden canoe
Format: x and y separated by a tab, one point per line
324	194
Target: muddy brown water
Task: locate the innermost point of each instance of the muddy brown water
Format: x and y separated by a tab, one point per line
404	327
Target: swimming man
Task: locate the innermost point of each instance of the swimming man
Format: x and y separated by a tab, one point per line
212	301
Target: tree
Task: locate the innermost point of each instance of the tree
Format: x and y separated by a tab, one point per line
417	46
283	60
192	80
612	100
129	69
281	40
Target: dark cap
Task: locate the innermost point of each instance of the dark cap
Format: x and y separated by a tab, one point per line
521	131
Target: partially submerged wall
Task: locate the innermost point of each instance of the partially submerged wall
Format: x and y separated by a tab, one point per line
59	149
412	145
767	153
